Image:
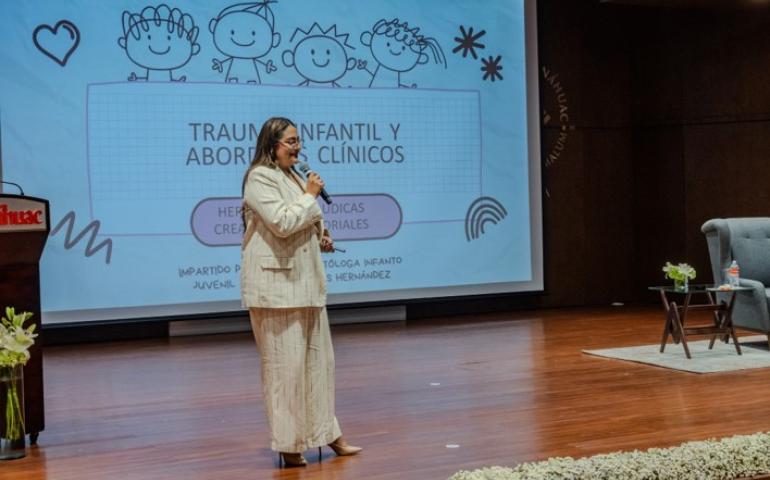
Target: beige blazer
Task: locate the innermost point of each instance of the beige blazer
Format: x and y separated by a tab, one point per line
281	263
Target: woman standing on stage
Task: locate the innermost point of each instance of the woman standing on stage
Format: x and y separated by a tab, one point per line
283	284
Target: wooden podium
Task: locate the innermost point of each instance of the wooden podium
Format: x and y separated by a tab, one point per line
24	227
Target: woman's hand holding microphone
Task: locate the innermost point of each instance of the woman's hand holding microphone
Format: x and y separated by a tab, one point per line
313	186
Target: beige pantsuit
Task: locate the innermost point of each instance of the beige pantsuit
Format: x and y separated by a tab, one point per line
283	285
297	376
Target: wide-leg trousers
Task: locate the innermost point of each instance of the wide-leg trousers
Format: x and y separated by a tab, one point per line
297	376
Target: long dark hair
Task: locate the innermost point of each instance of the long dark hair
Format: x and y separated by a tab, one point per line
264	155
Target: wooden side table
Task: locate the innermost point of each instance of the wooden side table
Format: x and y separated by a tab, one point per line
676	315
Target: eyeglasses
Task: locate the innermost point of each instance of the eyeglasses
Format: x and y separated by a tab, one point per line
294	142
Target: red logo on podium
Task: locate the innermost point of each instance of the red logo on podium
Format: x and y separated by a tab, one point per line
20	217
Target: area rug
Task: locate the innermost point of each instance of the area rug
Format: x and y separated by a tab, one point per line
722	358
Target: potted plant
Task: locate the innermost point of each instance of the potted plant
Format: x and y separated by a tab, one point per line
681	274
15	341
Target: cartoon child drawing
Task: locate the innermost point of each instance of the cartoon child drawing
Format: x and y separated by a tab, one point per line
160	40
397	49
320	57
244	33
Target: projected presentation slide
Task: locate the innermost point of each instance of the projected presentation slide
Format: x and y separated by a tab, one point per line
137	120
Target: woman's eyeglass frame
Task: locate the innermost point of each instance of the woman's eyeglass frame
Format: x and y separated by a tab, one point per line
296	144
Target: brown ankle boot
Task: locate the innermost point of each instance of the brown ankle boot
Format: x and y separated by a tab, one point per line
293	459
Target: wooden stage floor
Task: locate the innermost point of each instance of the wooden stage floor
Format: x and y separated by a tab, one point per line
504	387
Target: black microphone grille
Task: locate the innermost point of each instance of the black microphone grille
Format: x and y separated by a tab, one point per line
303	167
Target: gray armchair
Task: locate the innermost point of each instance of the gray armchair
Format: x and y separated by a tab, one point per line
747	241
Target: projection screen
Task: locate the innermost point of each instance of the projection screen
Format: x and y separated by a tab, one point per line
137	121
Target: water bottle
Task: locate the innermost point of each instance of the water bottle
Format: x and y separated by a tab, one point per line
733	274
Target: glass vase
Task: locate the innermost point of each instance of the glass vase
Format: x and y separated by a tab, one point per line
682	284
12	439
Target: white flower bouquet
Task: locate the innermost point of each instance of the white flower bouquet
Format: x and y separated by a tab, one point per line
738	457
15	340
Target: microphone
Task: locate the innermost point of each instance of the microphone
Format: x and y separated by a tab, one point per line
14	184
305	169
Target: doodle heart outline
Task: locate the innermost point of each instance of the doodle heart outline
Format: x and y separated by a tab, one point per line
43	34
